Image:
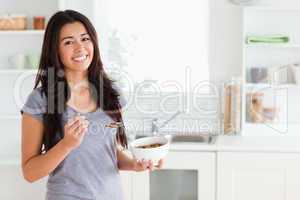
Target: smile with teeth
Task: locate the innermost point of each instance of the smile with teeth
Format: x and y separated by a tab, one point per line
80	58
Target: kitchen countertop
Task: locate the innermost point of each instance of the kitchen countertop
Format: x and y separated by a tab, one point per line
259	144
276	144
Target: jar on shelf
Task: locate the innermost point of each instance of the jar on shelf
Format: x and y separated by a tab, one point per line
232	106
39	22
259	74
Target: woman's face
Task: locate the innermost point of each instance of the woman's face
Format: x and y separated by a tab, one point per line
76	49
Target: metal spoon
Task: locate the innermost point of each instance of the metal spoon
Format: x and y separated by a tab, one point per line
115	125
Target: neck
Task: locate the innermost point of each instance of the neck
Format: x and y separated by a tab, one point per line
77	80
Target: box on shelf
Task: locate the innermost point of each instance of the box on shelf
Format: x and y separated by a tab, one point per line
13	22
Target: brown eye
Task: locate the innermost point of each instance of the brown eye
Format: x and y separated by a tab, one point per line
68	42
85	39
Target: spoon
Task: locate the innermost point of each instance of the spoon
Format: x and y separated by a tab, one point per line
115	125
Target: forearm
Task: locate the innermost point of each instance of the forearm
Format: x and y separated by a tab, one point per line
125	162
42	165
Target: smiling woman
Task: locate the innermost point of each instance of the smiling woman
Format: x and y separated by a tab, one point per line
72	101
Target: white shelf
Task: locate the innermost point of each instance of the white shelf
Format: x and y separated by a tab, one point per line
10	117
271	8
22	32
271	129
266	86
10	160
17	71
274	45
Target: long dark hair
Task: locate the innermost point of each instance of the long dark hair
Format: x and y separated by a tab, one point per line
54	84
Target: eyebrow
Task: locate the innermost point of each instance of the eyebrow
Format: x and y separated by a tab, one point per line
71	37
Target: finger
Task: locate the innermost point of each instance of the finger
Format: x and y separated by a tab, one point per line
78	118
77	131
137	164
71	122
144	164
80	128
150	165
82	132
85	124
75	126
160	163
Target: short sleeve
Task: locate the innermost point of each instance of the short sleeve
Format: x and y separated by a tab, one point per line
35	104
121	97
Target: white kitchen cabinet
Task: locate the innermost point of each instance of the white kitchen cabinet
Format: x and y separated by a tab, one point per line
126	178
182	172
259	176
14	186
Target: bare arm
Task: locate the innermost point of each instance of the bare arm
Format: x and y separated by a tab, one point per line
36	165
125	162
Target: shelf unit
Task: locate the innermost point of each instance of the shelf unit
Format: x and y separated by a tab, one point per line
272	46
10	160
29	41
16	42
22	32
16	84
270	86
17	71
271	20
10	117
19	45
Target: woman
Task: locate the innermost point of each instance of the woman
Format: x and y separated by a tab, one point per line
64	132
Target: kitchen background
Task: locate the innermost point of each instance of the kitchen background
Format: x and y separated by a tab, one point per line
244	55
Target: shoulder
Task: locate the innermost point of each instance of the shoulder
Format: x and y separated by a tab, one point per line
36	102
37	93
38	96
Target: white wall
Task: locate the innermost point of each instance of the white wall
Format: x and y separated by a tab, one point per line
226	38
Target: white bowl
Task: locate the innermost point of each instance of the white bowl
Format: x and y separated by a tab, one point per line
153	153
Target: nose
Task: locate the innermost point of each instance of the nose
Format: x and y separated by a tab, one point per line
78	46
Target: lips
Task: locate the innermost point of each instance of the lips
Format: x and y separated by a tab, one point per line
80	58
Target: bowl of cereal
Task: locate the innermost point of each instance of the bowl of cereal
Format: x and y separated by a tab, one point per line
150	148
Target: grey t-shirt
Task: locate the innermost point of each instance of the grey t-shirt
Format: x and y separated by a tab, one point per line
90	171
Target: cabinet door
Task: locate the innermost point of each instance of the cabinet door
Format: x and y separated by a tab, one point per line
126	178
259	176
185	175
140	185
14	187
